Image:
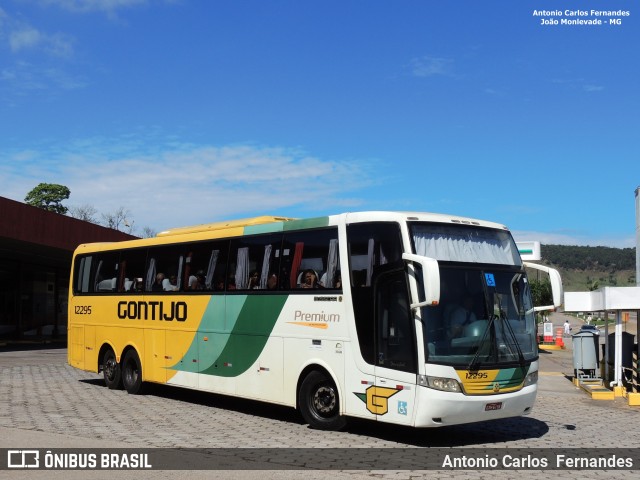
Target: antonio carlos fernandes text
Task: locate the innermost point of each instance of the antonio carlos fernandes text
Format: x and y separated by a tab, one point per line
558	461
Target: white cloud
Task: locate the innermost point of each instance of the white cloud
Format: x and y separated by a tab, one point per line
593	88
59	45
579	84
429	66
186	185
24	38
84	6
25	78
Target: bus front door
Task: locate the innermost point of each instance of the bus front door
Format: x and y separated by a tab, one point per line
393	398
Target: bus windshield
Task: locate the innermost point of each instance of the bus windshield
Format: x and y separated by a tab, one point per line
485	317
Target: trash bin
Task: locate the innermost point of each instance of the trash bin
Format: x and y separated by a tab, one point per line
585	355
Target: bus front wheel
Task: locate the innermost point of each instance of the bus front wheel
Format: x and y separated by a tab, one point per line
319	402
111	370
132	372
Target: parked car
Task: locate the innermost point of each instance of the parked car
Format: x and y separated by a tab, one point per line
590	329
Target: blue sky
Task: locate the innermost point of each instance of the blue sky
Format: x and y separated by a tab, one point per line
186	112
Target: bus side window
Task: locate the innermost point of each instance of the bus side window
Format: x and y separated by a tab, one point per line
132	270
164	269
194	273
83	274
310	260
372	245
204	266
106	272
253	259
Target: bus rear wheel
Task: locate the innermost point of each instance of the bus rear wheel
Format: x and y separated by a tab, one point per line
111	370
319	402
132	372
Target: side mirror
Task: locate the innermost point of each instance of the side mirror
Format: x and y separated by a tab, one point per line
430	279
556	285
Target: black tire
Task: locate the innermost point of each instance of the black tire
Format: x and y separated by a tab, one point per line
111	370
132	372
319	402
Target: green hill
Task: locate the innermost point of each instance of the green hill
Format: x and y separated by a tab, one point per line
589	268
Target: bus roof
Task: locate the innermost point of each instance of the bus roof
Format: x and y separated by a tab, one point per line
208	227
269	224
400	216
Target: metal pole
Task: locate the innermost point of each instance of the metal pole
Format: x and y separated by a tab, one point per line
636	367
606	345
617	359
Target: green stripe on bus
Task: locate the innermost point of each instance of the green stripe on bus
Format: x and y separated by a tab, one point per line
307	223
285	226
213	326
266	228
235	339
249	335
512	377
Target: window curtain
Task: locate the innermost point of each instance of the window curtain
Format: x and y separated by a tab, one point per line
187	270
211	268
97	285
370	260
297	260
151	275
242	269
383	258
179	276
486	247
332	263
266	261
121	279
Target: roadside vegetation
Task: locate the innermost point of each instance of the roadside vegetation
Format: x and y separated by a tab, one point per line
589	268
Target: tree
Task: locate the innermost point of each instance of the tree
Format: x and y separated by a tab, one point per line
118	220
541	292
148	232
86	213
48	196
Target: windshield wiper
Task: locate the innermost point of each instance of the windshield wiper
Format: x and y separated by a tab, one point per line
473	365
515	342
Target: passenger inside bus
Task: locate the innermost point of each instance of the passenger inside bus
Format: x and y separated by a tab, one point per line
170	284
197	281
137	285
219	284
254	280
459	316
272	282
157	285
309	279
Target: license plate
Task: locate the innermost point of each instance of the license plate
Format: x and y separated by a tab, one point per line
492	406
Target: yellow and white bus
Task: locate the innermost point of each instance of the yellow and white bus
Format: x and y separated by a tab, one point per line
416	319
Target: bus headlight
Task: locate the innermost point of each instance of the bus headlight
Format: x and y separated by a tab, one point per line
531	379
444	384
